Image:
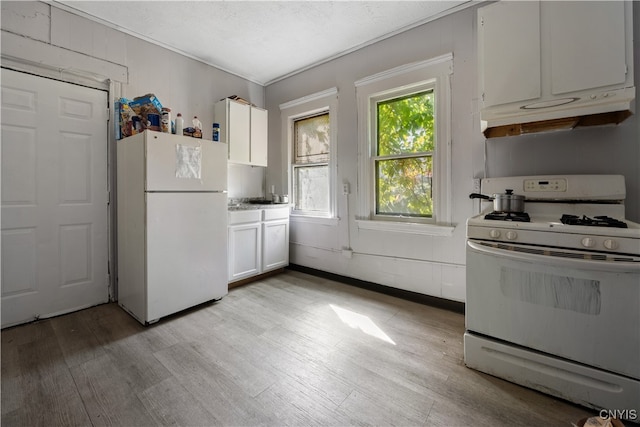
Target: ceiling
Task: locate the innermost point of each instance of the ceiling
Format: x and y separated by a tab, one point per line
262	41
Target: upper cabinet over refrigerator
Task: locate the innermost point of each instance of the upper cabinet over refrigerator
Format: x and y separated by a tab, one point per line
553	64
244	128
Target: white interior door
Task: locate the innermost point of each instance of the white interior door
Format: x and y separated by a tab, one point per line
54	197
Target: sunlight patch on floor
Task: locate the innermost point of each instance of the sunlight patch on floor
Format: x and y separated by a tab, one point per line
362	322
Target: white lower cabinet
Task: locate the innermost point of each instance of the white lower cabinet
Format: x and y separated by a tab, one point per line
244	251
258	241
275	244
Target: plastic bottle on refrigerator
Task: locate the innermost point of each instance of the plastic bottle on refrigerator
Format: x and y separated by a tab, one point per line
197	124
179	124
165	121
216	132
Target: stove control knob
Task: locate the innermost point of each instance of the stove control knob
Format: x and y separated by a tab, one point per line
512	235
611	244
494	233
588	242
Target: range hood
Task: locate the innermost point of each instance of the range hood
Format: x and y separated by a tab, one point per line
544	65
558	113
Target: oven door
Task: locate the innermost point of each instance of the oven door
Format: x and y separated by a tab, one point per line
579	309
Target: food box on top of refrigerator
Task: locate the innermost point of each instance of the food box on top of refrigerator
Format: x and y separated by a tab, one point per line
146	104
123	118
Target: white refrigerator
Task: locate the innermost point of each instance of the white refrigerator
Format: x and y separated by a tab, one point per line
171	222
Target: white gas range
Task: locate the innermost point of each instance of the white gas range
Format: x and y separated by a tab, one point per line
553	293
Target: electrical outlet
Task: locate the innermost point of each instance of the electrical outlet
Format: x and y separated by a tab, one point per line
345	188
476	185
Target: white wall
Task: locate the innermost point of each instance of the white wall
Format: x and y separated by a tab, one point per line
181	83
425	264
245	181
436	265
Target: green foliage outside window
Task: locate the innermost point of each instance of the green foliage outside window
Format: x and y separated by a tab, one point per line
404	155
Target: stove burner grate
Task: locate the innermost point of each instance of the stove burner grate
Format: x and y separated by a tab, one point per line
508	216
596	221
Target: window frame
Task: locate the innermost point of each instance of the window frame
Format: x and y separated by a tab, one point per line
309	106
376	157
404	80
310	164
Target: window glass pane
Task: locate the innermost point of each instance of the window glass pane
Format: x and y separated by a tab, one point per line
403	186
405	125
312	139
312	188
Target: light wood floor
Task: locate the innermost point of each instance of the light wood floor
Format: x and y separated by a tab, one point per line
275	352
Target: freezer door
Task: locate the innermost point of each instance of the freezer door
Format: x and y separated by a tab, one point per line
181	163
186	251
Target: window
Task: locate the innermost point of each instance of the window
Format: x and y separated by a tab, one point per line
403	157
404	136
309	124
310	166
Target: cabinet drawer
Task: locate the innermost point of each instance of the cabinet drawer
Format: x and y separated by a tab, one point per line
275	213
242	217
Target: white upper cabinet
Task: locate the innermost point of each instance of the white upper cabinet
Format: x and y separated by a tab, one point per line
258	154
547	60
238	122
509	59
587	45
244	128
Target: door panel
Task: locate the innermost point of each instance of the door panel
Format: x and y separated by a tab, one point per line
54	197
19	187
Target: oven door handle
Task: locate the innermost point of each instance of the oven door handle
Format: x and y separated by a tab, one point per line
589	264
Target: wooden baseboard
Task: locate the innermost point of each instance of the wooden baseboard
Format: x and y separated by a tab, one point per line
446	304
255	278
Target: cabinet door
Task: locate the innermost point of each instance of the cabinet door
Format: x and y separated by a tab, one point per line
245	246
275	244
239	132
259	133
509	52
587	42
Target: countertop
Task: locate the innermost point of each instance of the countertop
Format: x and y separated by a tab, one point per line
256	206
